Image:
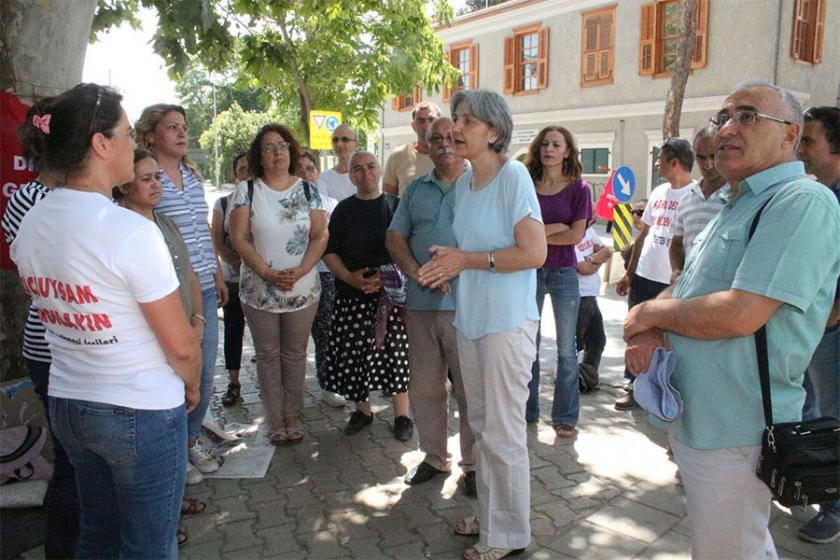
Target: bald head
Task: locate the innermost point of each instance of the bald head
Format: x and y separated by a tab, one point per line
365	174
344	141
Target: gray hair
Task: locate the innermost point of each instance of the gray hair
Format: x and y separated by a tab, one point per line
361	153
794	108
430	130
431	106
705	133
492	109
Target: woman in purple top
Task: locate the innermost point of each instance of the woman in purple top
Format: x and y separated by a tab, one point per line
566	204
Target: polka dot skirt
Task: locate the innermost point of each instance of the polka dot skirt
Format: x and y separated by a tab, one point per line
354	366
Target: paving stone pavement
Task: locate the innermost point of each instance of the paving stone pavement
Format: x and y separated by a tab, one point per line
612	493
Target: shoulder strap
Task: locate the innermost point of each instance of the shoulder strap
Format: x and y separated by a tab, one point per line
223	202
251	191
761	344
306	191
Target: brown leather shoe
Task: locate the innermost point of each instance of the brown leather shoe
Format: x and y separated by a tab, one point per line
627	402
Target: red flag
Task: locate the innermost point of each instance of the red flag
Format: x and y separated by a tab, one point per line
608	201
15	171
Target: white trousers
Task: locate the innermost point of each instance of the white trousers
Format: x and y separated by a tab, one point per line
728	506
496	369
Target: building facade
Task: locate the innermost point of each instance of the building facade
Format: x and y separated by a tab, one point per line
602	69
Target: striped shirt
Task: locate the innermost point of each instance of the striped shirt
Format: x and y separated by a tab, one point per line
35	346
188	209
694	212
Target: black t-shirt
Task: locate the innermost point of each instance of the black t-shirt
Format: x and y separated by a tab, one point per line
357	235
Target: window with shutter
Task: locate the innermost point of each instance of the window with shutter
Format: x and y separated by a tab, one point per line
464	57
597	47
406	102
808	29
526	60
660	30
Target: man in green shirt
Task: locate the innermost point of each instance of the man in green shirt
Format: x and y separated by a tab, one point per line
783	277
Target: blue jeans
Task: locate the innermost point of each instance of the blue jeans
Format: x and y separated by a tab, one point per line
209	349
562	285
824	374
130	469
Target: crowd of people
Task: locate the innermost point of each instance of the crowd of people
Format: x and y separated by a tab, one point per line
426	279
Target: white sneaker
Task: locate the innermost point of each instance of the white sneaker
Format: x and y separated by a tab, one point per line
202	460
194	476
332	399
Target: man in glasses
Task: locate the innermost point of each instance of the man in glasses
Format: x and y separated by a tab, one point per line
411	160
819	150
649	269
424	218
336	181
701	203
784	277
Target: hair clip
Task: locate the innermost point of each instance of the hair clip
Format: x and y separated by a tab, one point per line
42	122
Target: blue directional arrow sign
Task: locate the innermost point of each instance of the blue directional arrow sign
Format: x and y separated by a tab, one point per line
623	183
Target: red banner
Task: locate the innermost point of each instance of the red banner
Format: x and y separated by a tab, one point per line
608	201
15	171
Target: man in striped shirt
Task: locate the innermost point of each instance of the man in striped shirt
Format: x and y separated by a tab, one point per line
699	205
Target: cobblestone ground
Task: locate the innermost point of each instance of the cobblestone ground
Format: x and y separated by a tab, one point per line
612	493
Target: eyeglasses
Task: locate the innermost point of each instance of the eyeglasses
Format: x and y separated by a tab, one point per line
273	147
426	120
337	139
439	138
638	213
93	115
743	117
307	168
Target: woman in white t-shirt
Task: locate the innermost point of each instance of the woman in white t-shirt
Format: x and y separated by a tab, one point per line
125	358
279	229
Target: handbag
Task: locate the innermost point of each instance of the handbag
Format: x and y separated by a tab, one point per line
799	461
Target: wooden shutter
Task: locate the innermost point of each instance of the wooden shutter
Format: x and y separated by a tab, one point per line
588	63
542	59
605	46
819	31
698	57
797	35
647	39
446	93
395	103
508	69
473	66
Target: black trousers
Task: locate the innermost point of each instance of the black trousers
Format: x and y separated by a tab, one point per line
590	335
641	289
234	322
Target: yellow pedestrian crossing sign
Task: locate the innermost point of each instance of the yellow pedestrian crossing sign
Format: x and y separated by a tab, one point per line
321	126
622	229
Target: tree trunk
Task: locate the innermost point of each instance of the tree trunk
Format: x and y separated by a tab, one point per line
679	75
42	51
305	107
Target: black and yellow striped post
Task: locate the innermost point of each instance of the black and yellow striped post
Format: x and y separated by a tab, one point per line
622	229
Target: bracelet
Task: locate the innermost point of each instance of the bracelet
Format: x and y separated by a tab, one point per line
491	261
199	317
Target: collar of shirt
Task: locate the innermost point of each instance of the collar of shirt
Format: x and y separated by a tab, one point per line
722	193
763	180
431	177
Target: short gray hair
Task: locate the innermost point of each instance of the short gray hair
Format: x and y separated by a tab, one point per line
788	99
491	108
705	133
430	130
430	105
360	153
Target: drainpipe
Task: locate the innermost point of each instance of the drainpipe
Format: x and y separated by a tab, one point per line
774	56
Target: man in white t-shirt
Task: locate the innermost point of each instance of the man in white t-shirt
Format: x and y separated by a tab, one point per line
409	161
591	253
335	182
702	202
649	270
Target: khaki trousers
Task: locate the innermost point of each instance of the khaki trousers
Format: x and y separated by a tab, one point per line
280	341
496	369
432	352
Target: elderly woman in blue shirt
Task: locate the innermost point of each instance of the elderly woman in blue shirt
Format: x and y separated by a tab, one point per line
501	243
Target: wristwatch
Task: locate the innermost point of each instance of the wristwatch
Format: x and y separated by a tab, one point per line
491	261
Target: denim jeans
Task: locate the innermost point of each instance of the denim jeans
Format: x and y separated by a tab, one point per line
61	502
209	349
562	285
824	374
130	469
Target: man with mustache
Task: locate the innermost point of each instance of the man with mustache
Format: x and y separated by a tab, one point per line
782	277
424	218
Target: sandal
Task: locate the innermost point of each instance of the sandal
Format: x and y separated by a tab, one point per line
481	552
566	431
279	438
181	535
295	434
467	527
231	396
192	506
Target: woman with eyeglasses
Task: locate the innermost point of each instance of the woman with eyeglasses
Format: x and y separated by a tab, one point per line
566	203
501	241
162	129
279	229
125	361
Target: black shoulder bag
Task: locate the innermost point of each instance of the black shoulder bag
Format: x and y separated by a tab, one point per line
799	461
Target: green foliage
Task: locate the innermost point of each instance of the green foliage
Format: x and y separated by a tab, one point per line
345	55
110	13
235	128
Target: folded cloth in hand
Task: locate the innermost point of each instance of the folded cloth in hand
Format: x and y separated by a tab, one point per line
653	390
